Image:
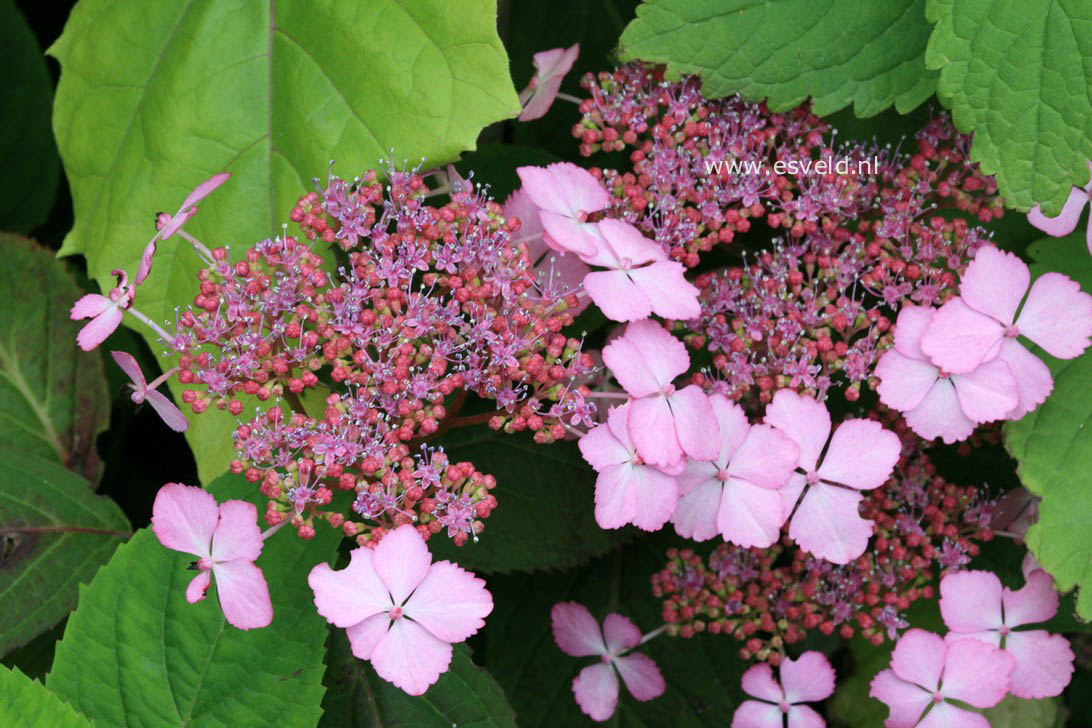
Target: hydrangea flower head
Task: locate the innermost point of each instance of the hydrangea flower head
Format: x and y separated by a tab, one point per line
565	194
975	605
226	540
401	611
142	392
596	687
550	68
1067	219
805	679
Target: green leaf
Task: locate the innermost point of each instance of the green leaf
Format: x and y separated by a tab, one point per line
136	653
835	51
26	703
465	696
156	97
1014	712
53	398
54	534
544	517
1016	73
28	177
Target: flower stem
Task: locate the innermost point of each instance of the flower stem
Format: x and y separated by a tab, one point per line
155	327
653	634
273	529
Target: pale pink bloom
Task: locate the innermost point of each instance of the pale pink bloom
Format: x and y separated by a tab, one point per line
401	611
146	260
936	404
641	280
550	68
596	687
926	672
982	323
1067	219
142	392
627	490
664	423
226	540
803	680
565	194
171	223
975	605
105	312
860	456
736	495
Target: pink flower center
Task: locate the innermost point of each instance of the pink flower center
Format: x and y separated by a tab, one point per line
204	564
938	697
136	396
941	374
396	613
1011	331
722	475
784	705
668	390
604	659
626	263
1004	630
638	460
812	478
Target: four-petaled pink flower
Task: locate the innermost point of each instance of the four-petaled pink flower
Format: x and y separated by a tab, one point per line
736	495
642	281
1067	219
926	673
401	611
105	312
144	392
550	68
803	680
936	404
860	456
226	540
974	605
663	422
565	194
982	323
171	223
596	687
627	490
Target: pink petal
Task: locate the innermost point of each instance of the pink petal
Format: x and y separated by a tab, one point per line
695	514
911	325
672	296
618	424
994	284
237	535
564	188
244	595
451	603
940	415
1036	602
551	68
364	636
904	382
620	633
203	190
146	262
807	678
409	656
596	691
402	561
970	601
733	426
601	449
99	328
1043	663
128	364
617	296
988	392
946	715
1033	380
803	419
174	222
646	358
767	457
695	474
351	595
976	673
753	714
652	426
861	454
791	491
1067	219
626	243
575	630
89	306
566	235
758	682
802	716
905	700
639	495
641	675
184	518
750	515
167	411
1057	316
918	658
198	586
827	524
695	424
960	338
990	636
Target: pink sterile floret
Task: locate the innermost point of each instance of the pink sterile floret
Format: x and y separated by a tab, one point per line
105	312
401	611
188	209
596	687
550	68
926	673
974	605
982	323
226	540
861	456
936	404
164	407
665	423
805	679
1067	219
565	194
736	495
627	490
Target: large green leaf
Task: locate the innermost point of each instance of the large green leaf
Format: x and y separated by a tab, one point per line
1016	73
136	653
835	51
26	703
53	398
466	695
54	534
155	97
28	177
544	517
